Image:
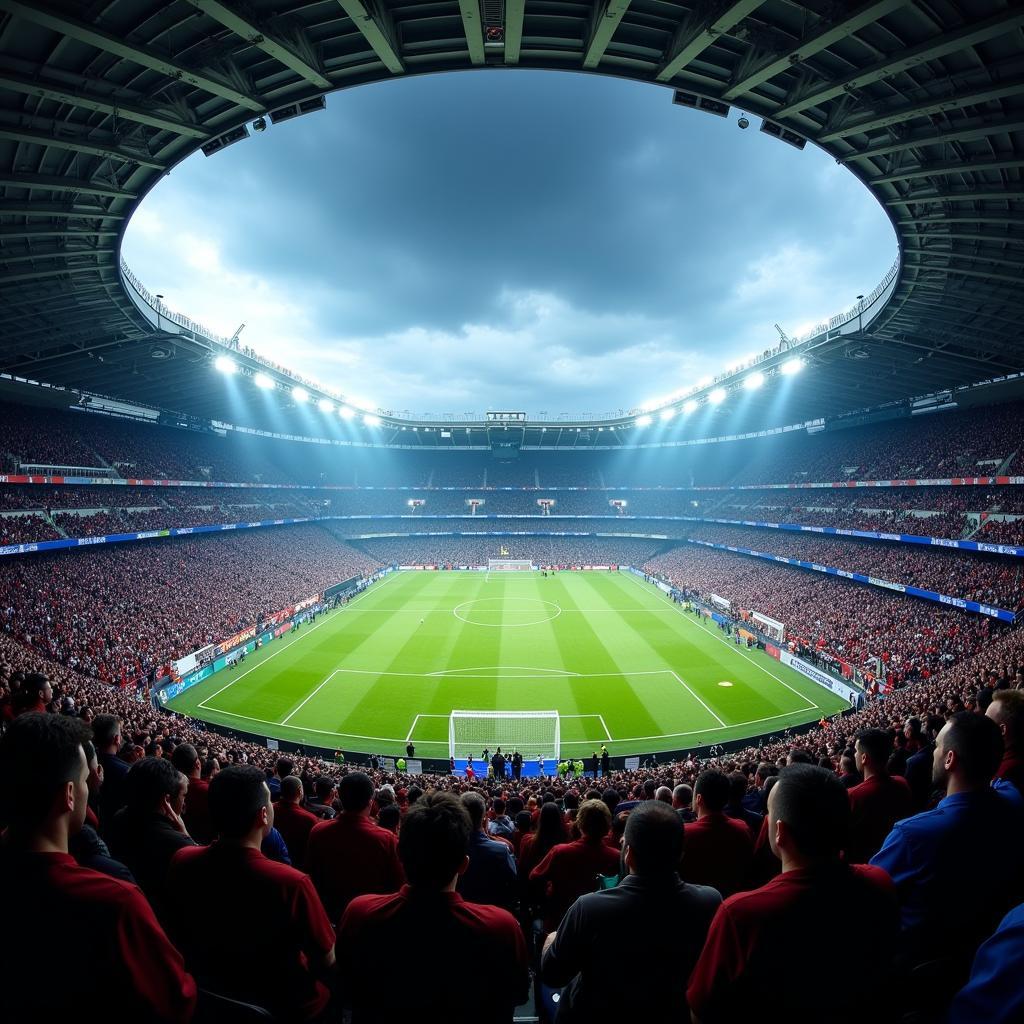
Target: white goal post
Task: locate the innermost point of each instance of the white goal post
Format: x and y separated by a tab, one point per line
532	733
772	627
509	565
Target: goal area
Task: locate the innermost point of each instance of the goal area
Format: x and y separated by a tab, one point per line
532	733
509	565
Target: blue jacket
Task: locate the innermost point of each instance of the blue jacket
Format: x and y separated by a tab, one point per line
994	993
491	875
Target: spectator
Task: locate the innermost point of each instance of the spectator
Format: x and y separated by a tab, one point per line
99	934
351	855
651	903
292	820
920	754
491	874
570	870
682	803
849	775
551	832
879	801
748	970
734	808
718	849
149	830
323	805
106	730
973	828
433	846
231	881
197	805
1007	711
994	993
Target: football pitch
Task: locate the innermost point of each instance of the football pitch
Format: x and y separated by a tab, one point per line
620	663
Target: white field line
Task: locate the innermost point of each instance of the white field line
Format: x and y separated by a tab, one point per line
732	647
206	702
412	728
695	696
605	727
542	673
302	703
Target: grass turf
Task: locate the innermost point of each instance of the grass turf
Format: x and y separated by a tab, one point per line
618	661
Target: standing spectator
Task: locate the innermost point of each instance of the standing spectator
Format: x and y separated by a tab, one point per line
323	805
491	874
149	830
920	752
433	846
292	820
749	969
352	855
971	830
98	933
605	761
106	730
197	807
734	808
1007	711
682	803
672	917
879	801
231	881
570	870
718	849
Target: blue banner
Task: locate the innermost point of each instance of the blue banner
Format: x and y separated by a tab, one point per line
858	577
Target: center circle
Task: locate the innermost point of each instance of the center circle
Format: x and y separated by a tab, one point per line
507	611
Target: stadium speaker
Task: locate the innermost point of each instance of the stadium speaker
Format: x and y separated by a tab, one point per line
695	102
297	109
783	134
225	140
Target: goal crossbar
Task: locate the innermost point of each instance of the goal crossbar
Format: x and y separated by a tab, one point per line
532	733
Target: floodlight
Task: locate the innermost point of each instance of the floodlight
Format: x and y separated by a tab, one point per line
643	421
300	394
370	420
690	406
754	380
326	405
667	414
704	382
346	413
261	380
225	365
792	366
717	396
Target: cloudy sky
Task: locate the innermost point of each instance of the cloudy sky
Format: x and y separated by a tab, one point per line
509	240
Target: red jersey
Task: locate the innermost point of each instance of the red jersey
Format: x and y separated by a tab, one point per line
876	805
294	823
717	851
351	856
74	938
228	904
570	870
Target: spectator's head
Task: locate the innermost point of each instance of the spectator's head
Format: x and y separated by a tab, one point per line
663	795
649	789
808	816
1007	711
389	817
95	768
653	840
610	797
284	767
324	789
682	797
35	690
291	789
44	777
355	792
737	788
186	760
240	806
475	808
154	785
106	733
764	771
433	841
593	819
872	750
797	755
967	753
711	792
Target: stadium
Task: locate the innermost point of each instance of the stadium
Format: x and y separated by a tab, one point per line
313	708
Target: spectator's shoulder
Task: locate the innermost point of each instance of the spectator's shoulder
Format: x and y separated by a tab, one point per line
875	877
186	855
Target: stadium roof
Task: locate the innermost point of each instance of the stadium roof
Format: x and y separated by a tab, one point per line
923	101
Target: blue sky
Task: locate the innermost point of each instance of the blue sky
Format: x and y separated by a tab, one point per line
518	240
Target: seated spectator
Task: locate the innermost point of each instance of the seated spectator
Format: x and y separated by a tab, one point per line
433	845
734	808
718	849
994	994
197	808
973	829
753	966
149	830
352	855
35	695
231	883
920	753
571	869
1007	711
323	805
499	824
106	730
292	820
757	796
550	832
73	938
491	875
389	818
849	775
879	801
672	917
682	803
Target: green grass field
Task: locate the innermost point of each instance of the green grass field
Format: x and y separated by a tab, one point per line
618	661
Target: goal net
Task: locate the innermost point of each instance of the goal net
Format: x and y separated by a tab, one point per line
509	565
769	626
532	733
